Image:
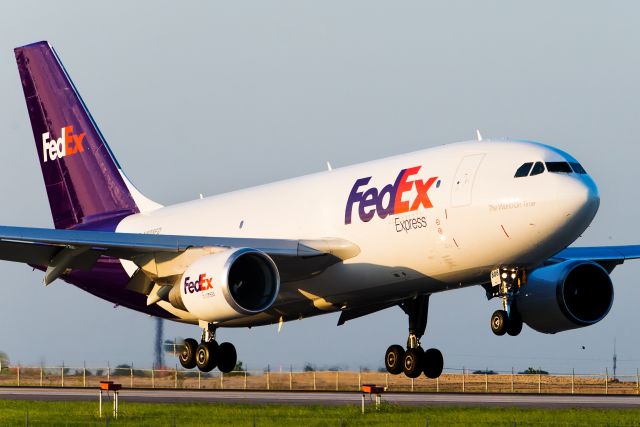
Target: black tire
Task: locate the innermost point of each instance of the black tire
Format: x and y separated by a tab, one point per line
499	321
187	356
206	356
393	359
412	362
227	357
433	363
514	327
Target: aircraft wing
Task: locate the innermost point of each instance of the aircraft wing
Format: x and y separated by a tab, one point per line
608	256
58	250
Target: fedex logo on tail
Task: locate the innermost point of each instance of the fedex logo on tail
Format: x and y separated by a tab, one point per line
68	144
202	284
390	200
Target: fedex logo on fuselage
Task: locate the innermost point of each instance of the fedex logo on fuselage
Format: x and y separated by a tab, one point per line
203	283
68	144
390	199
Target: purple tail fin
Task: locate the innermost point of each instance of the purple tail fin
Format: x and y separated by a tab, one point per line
84	182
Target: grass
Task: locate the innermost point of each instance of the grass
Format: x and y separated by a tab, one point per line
16	413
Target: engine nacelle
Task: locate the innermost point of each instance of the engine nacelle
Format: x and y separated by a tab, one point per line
567	295
228	285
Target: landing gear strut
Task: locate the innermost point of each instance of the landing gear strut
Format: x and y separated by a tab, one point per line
505	284
414	360
208	354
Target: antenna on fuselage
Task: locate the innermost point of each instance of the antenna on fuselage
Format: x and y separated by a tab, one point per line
329	168
478	135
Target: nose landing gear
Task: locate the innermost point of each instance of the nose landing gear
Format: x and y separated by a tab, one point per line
505	284
208	354
414	360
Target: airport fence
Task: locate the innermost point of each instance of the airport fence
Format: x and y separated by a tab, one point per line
452	380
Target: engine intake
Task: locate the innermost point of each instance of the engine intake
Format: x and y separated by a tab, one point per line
228	285
252	282
567	295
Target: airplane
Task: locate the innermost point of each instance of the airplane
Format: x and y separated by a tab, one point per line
496	213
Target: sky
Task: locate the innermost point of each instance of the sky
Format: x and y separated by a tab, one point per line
208	96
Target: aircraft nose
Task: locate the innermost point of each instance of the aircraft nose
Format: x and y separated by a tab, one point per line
580	199
589	199
593	197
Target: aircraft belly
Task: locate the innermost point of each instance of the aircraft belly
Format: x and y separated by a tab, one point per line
342	287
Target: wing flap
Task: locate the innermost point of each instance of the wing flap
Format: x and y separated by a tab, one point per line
27	252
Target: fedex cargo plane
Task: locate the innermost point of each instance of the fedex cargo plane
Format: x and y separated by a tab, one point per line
359	239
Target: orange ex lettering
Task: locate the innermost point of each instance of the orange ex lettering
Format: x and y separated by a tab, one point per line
68	144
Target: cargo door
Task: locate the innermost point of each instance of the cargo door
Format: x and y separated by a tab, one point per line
462	188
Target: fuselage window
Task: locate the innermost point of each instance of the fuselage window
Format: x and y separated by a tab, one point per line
559	167
577	168
523	170
538	168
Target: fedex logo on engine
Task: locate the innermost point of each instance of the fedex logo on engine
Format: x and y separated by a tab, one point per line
390	200
202	284
68	144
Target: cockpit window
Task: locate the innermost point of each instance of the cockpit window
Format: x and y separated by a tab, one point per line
538	168
577	168
523	170
558	167
531	169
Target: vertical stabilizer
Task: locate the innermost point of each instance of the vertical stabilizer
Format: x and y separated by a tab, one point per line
84	182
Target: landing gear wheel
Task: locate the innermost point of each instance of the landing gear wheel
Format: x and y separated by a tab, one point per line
206	356
433	363
227	357
187	356
393	359
412	362
514	327
499	321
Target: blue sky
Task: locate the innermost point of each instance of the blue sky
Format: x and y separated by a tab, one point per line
206	97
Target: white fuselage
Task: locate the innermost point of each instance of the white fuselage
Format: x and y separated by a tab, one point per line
470	216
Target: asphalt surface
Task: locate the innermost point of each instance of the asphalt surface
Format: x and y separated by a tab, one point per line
328	398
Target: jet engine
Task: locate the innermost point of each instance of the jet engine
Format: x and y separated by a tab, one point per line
227	285
567	295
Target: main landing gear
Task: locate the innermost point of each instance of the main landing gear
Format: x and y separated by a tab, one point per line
505	283
208	354
414	360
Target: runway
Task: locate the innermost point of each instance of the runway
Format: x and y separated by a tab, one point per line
329	398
